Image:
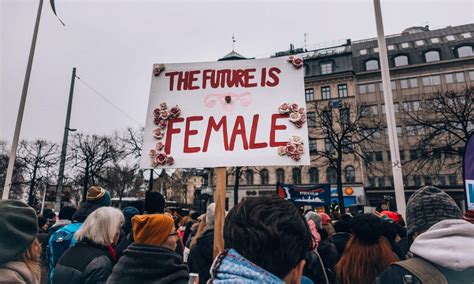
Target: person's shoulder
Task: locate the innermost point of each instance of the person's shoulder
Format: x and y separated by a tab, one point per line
394	274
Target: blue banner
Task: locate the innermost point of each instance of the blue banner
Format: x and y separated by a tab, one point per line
315	195
469	172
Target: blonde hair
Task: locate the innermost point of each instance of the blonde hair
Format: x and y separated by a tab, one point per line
101	226
199	232
31	257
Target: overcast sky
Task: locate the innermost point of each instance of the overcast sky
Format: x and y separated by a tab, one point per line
114	44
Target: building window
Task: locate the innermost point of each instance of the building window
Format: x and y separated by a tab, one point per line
408	83
363	52
431	80
454	77
249	177
371	181
390	47
369	110
312	145
344	116
471	75
402	155
327	118
432	56
362	89
466	35
313	176
264	176
453	180
412	106
405	45
378	156
296	176
428	180
309	94
435	40
372	64
280	173
311	118
413	154
328	147
375	49
331	175
326	92
441	180
381	181
396	108
415	130
450	37
417	181
342	90
371	88
420	42
464	51
460	77
326	68
350	174
401	60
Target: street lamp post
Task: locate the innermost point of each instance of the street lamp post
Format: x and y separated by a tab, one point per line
64	146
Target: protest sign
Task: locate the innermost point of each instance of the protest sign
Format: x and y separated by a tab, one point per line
315	195
469	172
228	113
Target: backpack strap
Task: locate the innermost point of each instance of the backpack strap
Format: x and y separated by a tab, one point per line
423	270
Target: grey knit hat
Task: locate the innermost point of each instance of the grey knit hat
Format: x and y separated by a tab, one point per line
18	229
428	206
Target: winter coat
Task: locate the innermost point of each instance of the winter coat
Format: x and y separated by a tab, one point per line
201	256
313	268
85	262
16	272
448	246
149	264
85	210
340	240
231	267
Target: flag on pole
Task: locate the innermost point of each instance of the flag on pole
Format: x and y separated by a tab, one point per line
53	6
469	172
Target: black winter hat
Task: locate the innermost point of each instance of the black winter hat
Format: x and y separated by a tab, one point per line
67	212
428	206
154	203
367	228
18	229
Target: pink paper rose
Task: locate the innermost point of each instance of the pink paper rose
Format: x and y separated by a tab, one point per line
158	133
297	62
161	158
284	108
169	160
175	111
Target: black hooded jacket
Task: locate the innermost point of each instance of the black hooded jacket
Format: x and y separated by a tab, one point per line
149	264
200	257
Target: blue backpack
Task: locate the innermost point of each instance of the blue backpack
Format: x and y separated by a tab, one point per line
59	242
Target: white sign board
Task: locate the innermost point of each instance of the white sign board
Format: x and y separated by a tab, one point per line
227	113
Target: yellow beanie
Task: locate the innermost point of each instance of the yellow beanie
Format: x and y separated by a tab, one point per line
151	229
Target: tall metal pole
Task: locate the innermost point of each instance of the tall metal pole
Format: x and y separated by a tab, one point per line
390	114
19	119
150	181
65	138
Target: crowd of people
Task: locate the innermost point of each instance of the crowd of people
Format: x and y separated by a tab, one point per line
267	240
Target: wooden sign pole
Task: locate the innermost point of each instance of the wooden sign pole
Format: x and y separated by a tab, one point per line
220	210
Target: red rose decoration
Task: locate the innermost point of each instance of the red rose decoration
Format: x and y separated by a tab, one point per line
152	153
297	62
157	70
158	133
164	114
159	146
294	107
175	111
161	158
169	160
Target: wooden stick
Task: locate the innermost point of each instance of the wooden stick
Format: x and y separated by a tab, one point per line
220	210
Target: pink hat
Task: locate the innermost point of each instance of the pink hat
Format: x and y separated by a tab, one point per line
325	219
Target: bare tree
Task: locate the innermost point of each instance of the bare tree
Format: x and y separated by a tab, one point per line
131	141
18	179
39	158
442	125
120	179
346	131
91	155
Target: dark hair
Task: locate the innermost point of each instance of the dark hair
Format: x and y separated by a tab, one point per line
367	228
48	213
346	217
389	230
342	226
42	221
66	213
154	203
270	232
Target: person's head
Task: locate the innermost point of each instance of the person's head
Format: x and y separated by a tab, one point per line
49	214
128	213
155	230
184	221
98	195
18	231
102	226
210	215
270	232
42	223
201	227
367	253
347	218
325	218
66	213
342	226
428	206
154	203
315	217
